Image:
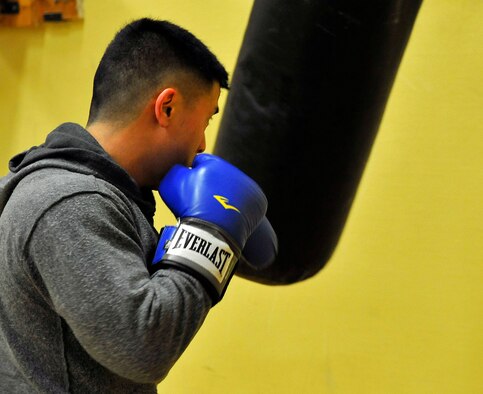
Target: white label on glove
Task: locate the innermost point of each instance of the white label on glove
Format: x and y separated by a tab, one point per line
202	248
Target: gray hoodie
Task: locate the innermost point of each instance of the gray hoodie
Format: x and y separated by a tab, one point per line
79	312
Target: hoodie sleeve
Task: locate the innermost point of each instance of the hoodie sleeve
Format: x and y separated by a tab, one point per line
91	260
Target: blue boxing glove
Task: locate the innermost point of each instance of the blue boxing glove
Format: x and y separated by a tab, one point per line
218	207
259	252
261	248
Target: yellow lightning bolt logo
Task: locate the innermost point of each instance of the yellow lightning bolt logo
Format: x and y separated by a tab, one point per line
224	202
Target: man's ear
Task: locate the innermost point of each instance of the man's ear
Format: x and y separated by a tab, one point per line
163	106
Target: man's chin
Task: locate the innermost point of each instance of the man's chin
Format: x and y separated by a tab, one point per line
189	163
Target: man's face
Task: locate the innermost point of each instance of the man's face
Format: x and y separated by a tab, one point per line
185	135
189	137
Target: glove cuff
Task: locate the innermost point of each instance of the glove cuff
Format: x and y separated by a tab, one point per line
203	250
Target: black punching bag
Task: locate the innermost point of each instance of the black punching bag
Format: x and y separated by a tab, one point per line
307	96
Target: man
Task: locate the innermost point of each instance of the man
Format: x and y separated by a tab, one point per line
84	308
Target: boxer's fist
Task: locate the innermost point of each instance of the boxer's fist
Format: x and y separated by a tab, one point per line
261	248
218	208
259	252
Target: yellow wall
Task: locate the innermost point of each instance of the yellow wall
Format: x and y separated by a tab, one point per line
399	307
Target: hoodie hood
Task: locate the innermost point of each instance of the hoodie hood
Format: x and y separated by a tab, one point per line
72	147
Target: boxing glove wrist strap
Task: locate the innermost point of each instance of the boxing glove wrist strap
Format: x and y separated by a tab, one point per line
203	250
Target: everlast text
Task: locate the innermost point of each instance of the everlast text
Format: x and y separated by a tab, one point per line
218	256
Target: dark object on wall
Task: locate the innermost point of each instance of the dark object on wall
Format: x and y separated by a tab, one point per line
34	13
308	93
9	7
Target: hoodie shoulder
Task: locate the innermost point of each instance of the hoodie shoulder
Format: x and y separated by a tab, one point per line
38	191
53	184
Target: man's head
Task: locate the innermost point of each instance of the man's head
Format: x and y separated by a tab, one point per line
143	56
155	90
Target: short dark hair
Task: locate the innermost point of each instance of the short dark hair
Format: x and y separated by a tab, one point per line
143	54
